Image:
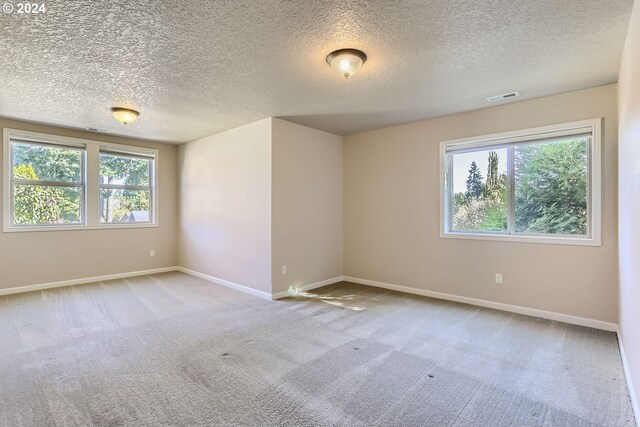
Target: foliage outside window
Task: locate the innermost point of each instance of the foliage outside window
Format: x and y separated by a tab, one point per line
65	183
523	186
47	184
125	188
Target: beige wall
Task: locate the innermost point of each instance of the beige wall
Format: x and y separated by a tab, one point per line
261	196
225	200
306	205
391	215
629	199
29	258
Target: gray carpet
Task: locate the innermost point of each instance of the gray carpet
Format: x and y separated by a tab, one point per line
173	350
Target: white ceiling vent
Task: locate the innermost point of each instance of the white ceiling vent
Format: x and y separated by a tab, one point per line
98	130
503	96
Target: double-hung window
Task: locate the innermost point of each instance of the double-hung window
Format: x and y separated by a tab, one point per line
47	183
539	185
60	183
126	192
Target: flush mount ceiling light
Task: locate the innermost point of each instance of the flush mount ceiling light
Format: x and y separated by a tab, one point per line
125	115
346	62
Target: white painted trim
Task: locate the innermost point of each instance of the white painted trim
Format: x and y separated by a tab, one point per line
575	241
84	280
6	187
521	135
251	291
79	227
308	287
216	280
567	318
627	373
227	283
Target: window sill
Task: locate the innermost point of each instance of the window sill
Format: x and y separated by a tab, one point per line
575	241
75	228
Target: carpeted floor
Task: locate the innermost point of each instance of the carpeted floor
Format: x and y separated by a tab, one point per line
171	349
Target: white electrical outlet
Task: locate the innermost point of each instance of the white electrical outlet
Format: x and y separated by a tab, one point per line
499	278
152	253
284	269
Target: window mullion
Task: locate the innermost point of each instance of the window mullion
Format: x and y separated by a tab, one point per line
92	172
449	194
45	183
125	187
511	190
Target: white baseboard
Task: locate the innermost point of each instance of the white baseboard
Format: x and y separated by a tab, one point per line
567	318
255	292
84	280
627	373
217	280
309	287
598	324
227	283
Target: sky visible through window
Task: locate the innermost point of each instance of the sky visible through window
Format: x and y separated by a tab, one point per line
462	163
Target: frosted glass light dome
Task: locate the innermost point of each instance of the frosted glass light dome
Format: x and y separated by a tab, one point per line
124	115
346	62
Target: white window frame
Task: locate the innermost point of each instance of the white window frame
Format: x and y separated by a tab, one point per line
91	179
594	194
113	149
82	184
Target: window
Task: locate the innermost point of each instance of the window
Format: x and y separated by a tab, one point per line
54	183
47	183
537	185
125	187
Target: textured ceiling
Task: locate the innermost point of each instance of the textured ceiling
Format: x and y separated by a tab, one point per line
194	68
